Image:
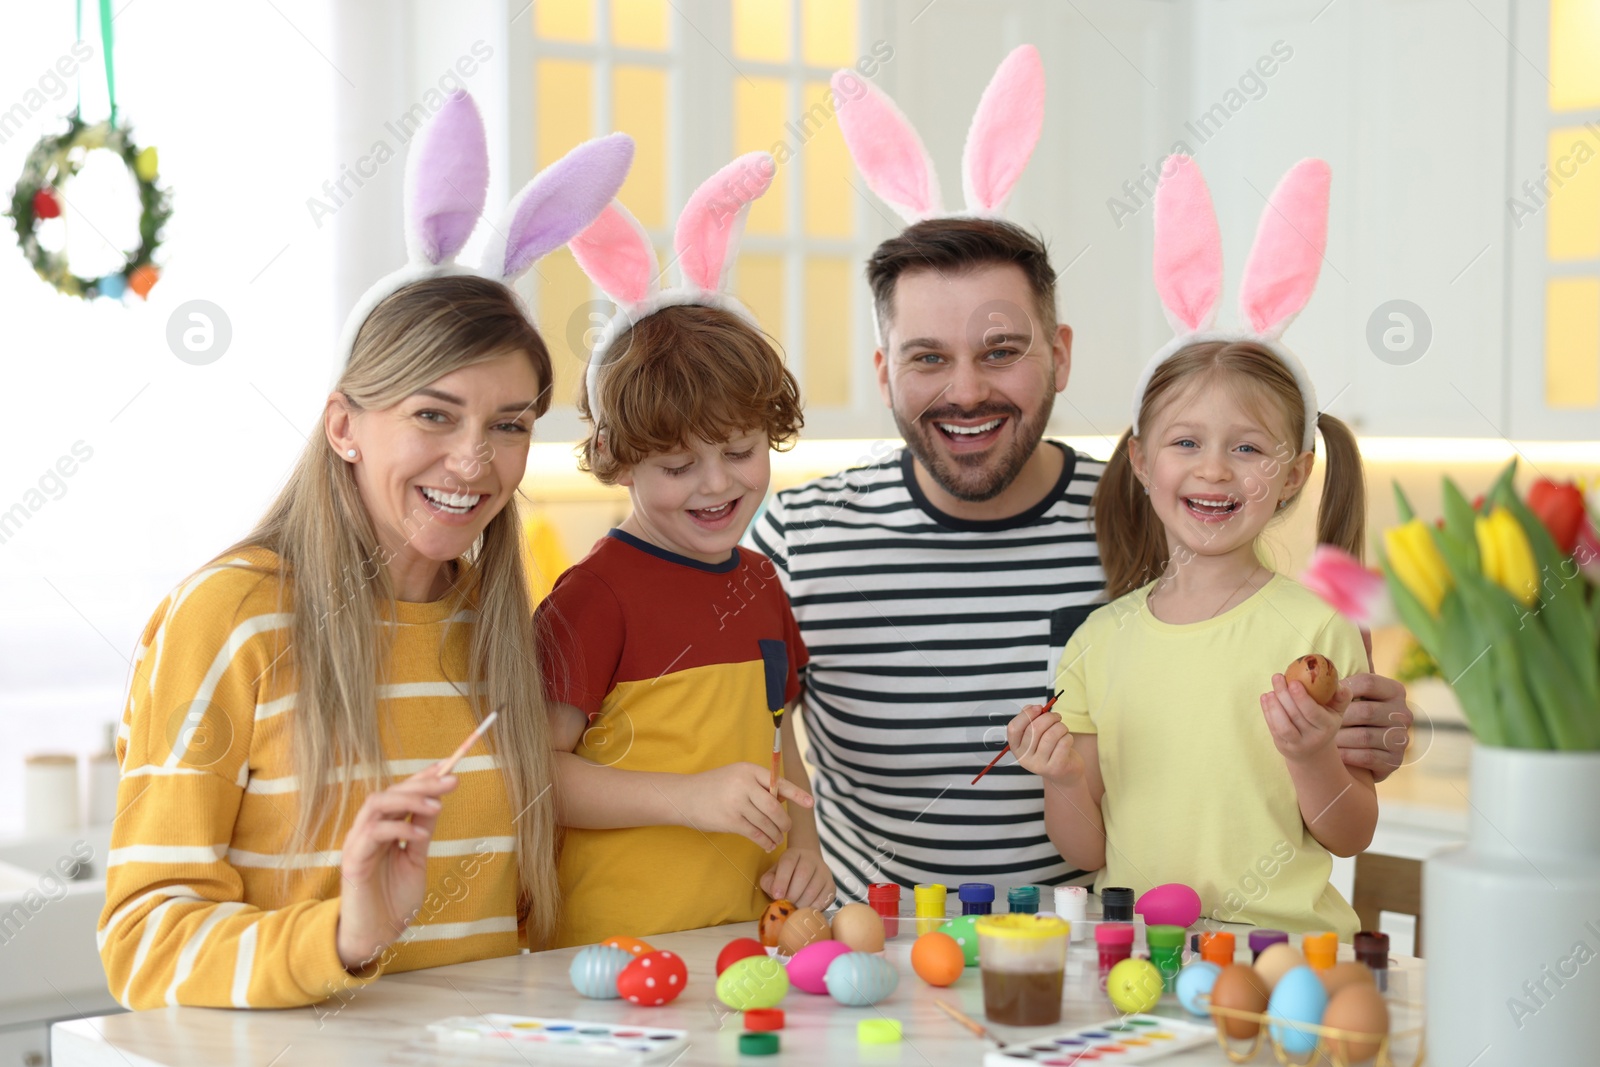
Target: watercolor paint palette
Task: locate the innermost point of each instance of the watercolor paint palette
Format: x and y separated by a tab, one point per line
535	1038
1128	1039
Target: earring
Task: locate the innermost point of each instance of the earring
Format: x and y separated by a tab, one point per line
351	453
1282	504
1147	490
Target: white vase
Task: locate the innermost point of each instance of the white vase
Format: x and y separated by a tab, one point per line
1513	918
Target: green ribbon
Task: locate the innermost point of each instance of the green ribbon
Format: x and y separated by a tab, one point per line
105	47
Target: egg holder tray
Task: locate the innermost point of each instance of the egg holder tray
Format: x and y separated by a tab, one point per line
1323	1050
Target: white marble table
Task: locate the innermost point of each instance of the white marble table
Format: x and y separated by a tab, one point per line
386	1022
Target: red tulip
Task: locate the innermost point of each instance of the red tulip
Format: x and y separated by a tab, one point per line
45	204
1560	508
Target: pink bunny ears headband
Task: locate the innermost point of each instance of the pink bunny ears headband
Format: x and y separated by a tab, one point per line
447	184
896	166
1278	277
616	253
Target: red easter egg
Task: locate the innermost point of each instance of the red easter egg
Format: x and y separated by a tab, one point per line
736	950
143	279
654	979
631	945
45	204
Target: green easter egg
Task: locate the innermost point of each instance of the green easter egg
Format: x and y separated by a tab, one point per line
753	982
963	928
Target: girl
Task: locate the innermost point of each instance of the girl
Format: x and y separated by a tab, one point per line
1164	761
283	832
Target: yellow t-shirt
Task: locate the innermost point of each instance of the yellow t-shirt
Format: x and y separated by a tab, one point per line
1195	790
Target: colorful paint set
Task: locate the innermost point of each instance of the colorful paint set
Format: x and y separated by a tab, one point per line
1127	1039
536	1039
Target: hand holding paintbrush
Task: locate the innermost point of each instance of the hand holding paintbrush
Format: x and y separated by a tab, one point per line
1048	705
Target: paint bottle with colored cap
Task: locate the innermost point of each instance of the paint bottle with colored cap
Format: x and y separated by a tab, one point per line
884	898
977	898
1072	904
1115	942
1261	940
930	907
1321	950
1166	952
1372	949
1217	947
1116	904
1023	900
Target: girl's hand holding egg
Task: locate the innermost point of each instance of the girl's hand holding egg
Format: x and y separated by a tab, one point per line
1043	744
1306	707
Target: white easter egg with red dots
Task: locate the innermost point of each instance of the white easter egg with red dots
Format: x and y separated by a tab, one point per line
654	979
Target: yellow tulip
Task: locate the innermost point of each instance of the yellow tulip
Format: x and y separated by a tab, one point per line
1417	563
1507	557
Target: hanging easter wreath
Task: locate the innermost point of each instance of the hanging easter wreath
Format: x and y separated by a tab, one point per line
50	166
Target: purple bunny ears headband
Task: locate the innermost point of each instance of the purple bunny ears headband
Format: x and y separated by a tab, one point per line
616	253
1001	139
1278	277
446	186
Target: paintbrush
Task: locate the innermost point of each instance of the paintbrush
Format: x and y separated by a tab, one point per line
775	672
1048	705
448	764
971	1024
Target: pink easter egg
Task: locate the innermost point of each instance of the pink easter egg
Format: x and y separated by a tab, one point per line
809	966
1173	904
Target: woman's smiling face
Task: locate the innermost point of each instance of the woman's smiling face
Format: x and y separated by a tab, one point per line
434	468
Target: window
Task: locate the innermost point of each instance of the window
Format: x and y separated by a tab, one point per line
696	85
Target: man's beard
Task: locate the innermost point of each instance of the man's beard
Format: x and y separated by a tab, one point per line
978	477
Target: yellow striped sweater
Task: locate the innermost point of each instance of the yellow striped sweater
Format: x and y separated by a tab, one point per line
209	898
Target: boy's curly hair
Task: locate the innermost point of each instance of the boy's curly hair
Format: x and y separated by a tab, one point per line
684	372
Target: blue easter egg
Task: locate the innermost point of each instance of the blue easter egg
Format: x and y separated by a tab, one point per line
1195	981
595	968
860	978
112	285
1299	997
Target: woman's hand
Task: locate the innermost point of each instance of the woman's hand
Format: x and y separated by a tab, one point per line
384	864
1301	728
801	876
1043	744
735	800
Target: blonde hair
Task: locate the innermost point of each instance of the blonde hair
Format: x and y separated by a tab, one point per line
333	573
686	371
1132	542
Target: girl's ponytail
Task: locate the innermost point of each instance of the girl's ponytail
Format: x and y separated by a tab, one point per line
1342	513
1133	546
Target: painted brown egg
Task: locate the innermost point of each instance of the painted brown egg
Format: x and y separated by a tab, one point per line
1316	673
1239	987
802	928
772	921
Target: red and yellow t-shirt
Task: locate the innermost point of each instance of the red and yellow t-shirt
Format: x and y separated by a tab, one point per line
664	654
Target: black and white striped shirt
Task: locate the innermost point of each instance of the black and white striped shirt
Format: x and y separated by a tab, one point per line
927	633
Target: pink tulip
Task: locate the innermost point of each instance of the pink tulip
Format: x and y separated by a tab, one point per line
1349	588
1587	553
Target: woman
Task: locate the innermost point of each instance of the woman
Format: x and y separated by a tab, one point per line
370	620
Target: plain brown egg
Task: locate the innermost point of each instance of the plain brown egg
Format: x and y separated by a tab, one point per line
1275	961
858	926
801	929
1239	987
1349	972
1359	1009
1317	674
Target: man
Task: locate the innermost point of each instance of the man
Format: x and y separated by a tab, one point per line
935	585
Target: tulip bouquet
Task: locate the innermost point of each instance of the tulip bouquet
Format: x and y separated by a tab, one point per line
1502	593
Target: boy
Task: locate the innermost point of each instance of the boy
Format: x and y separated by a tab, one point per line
668	649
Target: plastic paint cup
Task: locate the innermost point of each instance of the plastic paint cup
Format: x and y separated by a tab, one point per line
930	907
884	898
977	898
1166	952
1115	942
1217	947
1023	959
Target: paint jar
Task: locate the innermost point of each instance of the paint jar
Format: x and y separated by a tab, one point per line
1372	949
1217	947
1023	959
977	898
1116	904
1072	904
1321	950
1115	942
1261	940
1166	952
929	901
1023	900
884	898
